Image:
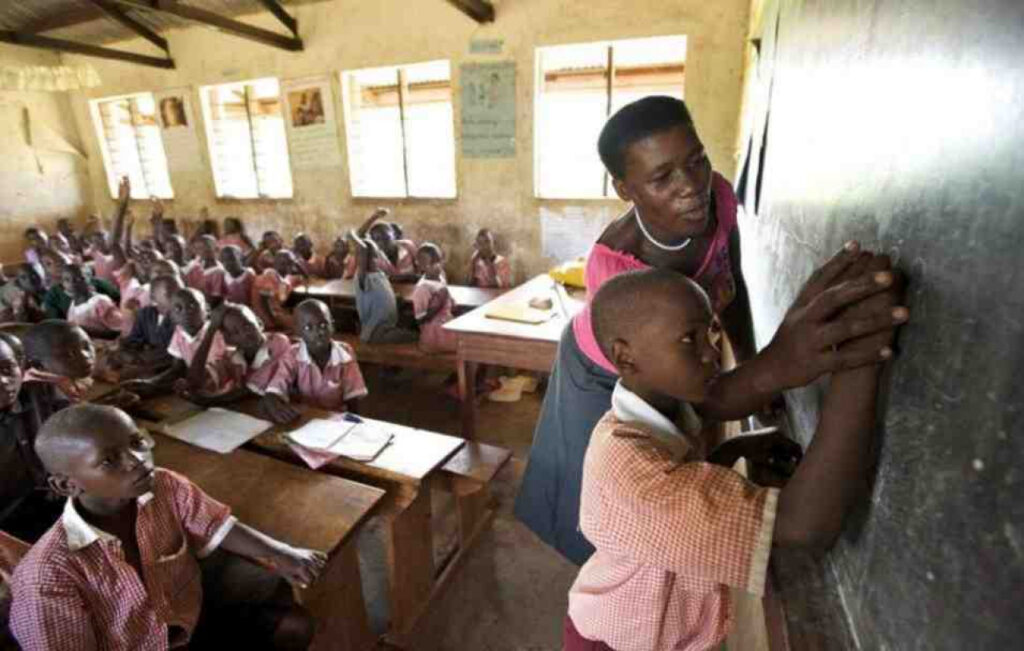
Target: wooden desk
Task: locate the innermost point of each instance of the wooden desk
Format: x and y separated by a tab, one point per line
290	504
343	293
483	340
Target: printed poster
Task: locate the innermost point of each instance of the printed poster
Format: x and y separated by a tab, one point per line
177	121
311	124
488	109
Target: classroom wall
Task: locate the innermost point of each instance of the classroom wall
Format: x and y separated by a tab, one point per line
40	180
902	125
350	34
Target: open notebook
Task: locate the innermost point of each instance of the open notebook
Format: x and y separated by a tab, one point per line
356	440
217	429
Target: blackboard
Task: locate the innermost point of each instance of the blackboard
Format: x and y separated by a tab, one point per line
902	124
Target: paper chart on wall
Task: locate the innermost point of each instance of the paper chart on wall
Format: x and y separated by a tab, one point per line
311	124
177	121
570	233
488	109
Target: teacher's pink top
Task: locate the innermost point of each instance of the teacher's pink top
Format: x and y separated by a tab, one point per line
714	274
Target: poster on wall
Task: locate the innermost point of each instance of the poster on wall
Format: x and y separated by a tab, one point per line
309	119
488	109
569	233
177	123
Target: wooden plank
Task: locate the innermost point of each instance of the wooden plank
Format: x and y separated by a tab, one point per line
275	8
401	355
61	45
114	13
62	19
481	11
478	462
218	22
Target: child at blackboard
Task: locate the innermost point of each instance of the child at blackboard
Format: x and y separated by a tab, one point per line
487	268
675	527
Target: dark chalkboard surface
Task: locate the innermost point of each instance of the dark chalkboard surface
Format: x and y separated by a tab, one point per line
902	124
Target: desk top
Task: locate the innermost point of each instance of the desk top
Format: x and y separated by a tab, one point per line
542	286
412	454
464	297
302	508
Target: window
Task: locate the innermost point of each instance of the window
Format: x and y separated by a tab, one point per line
248	146
578	88
131	145
400	131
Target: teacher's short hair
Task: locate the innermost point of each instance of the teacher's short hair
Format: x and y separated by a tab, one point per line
634	122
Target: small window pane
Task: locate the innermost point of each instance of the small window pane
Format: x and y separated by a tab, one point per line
132	146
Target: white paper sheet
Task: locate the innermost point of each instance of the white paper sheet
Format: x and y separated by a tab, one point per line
217	429
309	119
320	434
358	441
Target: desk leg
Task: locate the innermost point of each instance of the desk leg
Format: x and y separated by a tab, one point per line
467	389
336	600
411	556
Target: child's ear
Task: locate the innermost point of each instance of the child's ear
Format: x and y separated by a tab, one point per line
622	357
63	485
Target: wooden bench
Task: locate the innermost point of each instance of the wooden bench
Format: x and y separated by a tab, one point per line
401	355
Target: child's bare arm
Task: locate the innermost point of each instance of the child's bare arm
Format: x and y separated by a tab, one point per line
736	318
379	213
124	192
301	567
159	383
196	375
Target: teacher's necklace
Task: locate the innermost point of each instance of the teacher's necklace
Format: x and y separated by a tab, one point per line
664	247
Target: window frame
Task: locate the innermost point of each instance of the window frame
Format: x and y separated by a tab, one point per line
609	74
209	122
113	178
402	90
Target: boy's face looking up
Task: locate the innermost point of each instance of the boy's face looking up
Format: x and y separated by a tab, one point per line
272	241
668	176
188	310
109	459
207	246
303	246
429	264
674	351
10	376
243	330
71	355
75	284
231	258
485	244
162	295
315	326
28	280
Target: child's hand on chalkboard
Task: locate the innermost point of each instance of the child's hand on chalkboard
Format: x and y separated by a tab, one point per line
890	299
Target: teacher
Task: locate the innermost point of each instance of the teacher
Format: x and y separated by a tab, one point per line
683	218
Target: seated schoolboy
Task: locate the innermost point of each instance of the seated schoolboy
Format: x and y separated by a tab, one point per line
74	241
487	268
312	265
237	278
144	350
56	300
205	273
397	261
675	528
235	235
26	511
271	289
340	262
120	569
255	365
190	316
263	258
59	363
375	299
33	294
103	260
322	372
35	244
95	313
431	303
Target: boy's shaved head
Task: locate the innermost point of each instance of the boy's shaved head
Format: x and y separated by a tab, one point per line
625	305
64	434
60	347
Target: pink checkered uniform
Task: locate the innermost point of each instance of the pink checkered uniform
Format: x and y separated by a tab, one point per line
238	289
208	280
330	387
75	590
184	347
498	274
100	313
433	337
673	535
267	373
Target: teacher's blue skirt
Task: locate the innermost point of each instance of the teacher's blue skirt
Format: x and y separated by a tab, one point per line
579	394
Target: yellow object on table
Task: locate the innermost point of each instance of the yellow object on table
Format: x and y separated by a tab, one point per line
570	273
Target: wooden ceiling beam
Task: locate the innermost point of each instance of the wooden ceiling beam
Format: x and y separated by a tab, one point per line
481	11
62	19
61	45
274	7
216	21
115	13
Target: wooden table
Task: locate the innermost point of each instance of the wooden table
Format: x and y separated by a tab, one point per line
343	293
406	469
483	340
302	508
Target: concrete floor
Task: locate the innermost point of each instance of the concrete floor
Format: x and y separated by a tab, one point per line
510	593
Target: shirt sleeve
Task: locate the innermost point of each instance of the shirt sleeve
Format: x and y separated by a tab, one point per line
206	521
353	385
49	613
420	300
698	519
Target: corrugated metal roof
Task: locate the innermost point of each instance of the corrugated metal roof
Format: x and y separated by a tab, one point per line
28	15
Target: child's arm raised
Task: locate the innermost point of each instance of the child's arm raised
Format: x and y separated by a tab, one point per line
124	193
197	374
379	213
